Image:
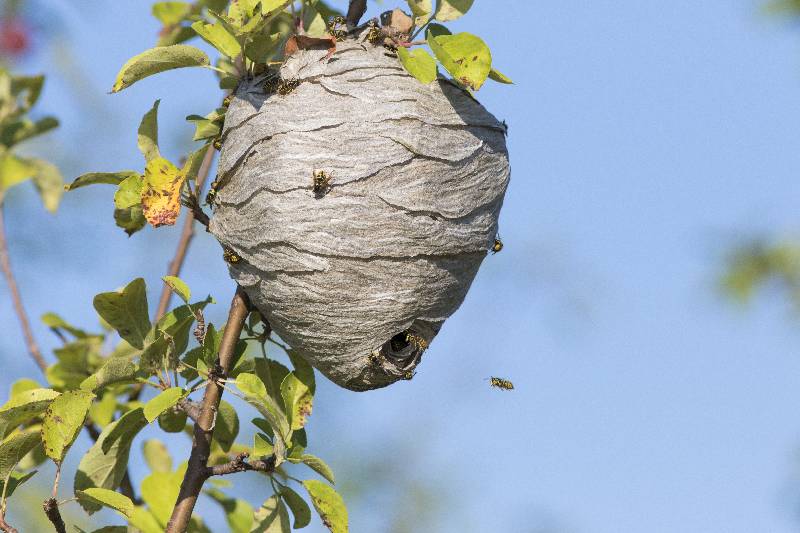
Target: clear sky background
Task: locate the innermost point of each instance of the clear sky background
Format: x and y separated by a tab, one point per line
646	139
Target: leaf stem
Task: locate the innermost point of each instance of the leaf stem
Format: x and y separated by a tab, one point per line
16	298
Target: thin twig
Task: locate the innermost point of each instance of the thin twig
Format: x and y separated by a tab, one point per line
197	470
186	237
355	11
16	299
50	507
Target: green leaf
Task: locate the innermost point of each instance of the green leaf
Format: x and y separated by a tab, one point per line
209	126
272	517
15	447
319	466
58	324
114	370
298	399
105	463
102	412
106	529
171	13
20	386
422	11
179	287
227	426
14	481
299	507
452	9
328	504
251	385
147	136
499	77
465	56
109	498
128	211
158	354
178	324
13	171
128	425
48	182
238	513
94	178
272	373
158	60
165	400
144	521
160	492
28	89
63	420
172	421
157	456
261	446
23	407
126	311
419	64
218	37
24	129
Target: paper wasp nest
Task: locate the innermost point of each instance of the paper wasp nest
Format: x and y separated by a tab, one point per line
359	275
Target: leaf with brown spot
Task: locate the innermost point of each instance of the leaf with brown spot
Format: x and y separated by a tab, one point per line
304	42
161	190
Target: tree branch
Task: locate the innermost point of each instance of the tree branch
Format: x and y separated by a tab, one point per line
192	409
16	298
5	527
355	11
240	464
50	506
186	237
197	471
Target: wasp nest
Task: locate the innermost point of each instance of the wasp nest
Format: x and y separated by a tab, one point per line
359	204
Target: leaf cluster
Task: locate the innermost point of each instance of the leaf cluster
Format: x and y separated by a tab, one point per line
96	382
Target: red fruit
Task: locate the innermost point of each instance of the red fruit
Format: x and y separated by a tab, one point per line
14	38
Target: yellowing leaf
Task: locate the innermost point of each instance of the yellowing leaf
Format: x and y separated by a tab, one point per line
452	9
63	420
161	192
271	517
147	135
171	13
418	63
465	56
499	77
159	59
329	505
109	498
422	10
217	36
179	287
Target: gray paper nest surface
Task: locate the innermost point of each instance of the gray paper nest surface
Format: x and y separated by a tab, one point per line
360	279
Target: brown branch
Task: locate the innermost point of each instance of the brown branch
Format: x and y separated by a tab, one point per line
5	527
355	11
197	471
240	464
50	506
192	409
16	298
186	237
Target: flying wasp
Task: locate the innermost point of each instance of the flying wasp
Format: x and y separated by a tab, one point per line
500	383
497	246
321	182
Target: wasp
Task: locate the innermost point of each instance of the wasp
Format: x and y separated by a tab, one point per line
497	246
374	34
321	182
500	383
217	144
212	193
281	86
420	343
335	28
227	101
375	358
230	256
408	375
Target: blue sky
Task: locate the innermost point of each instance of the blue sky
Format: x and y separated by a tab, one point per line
646	138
